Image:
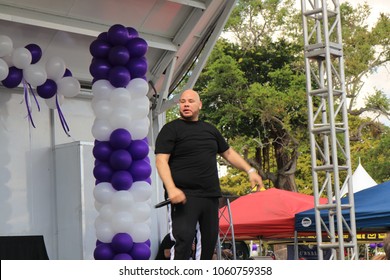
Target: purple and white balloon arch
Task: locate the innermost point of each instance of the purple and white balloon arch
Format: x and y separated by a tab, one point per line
52	81
122	168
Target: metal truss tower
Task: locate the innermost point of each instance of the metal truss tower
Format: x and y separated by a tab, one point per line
328	127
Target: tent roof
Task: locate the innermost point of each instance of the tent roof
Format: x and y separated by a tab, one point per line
372	211
360	180
176	32
266	214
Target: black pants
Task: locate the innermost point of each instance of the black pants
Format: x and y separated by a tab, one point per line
184	219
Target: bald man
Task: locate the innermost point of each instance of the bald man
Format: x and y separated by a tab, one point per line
186	160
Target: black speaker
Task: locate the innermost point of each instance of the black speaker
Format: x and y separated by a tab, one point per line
23	248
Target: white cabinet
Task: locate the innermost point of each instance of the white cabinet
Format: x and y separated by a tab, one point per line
76	213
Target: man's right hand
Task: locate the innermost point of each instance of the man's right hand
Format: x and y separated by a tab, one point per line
177	196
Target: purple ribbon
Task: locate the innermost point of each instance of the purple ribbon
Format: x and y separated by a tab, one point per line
65	126
27	88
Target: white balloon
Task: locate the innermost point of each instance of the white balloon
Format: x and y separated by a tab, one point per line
104	232
98	205
103	192
102	89
120	97
120	118
138	87
8	60
141	191
4	70
149	222
99	221
68	86
141	212
51	102
6	45
102	108
35	74
139	107
122	201
55	68
101	130
140	232
106	212
122	222
21	58
139	128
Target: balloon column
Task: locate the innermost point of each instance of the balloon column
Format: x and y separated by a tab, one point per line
52	80
122	167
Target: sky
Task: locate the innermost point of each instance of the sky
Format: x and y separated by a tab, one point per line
381	79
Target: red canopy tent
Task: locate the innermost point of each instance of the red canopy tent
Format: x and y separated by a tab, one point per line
266	214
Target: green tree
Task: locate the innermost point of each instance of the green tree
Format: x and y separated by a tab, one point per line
265	109
253	22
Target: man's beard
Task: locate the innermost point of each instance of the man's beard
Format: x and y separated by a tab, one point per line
187	118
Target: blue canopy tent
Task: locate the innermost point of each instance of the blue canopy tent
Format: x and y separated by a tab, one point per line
372	211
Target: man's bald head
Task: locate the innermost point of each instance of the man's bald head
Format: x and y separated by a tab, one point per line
190	105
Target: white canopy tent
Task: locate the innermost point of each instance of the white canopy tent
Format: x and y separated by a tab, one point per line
361	180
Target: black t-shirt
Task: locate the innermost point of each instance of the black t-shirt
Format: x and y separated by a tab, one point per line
193	147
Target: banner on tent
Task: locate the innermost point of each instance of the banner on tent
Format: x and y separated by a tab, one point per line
370	236
306	252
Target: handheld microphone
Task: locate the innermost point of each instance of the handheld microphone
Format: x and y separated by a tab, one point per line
162	203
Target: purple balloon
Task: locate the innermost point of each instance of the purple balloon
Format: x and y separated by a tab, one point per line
48	89
118	55
103	172
117	35
102	151
133	33
121	180
137	47
14	78
122	243
148	180
103	252
100	68
36	52
99	48
372	245
137	66
139	149
68	73
103	36
140	170
122	257
120	138
119	76
140	251
147	242
120	159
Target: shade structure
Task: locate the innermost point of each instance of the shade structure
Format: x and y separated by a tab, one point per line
372	211
266	214
361	180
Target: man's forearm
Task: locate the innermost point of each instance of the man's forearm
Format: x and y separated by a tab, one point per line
165	174
236	160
